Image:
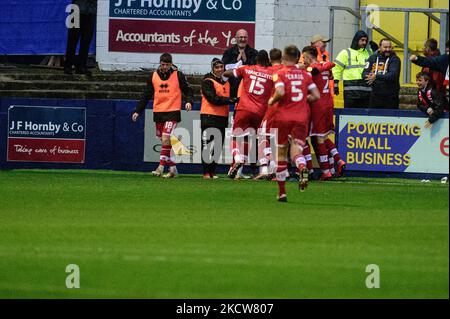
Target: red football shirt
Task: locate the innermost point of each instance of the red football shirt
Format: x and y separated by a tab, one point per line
257	87
275	68
322	82
296	82
272	69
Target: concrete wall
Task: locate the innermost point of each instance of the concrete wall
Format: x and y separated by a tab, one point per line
296	21
278	23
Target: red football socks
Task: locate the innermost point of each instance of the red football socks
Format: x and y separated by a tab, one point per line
308	157
164	157
323	157
332	150
281	177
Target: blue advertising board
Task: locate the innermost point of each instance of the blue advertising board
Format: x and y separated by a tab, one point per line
30	27
46	134
395	142
48	122
114	141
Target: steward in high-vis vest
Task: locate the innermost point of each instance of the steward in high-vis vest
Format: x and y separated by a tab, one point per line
349	67
166	85
214	115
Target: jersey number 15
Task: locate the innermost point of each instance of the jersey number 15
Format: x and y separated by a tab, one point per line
257	87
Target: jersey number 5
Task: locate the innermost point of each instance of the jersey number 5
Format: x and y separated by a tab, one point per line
296	89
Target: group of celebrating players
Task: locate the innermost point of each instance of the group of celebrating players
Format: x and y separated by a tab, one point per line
293	100
278	97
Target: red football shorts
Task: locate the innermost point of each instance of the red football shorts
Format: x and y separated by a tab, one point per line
264	128
165	128
321	120
244	120
297	130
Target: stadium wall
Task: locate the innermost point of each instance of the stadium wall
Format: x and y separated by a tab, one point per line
277	23
113	142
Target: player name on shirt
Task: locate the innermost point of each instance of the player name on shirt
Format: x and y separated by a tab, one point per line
259	74
295	76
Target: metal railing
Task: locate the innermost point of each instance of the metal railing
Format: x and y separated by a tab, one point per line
363	15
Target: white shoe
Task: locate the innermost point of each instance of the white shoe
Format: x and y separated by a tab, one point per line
261	177
159	171
173	172
242	176
235	169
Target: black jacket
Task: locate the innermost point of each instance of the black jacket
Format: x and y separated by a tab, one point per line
230	57
231	54
387	82
436	63
149	92
209	92
430	98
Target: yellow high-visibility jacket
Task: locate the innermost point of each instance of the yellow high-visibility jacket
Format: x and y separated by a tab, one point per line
350	64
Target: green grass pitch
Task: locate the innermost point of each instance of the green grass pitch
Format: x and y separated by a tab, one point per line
137	236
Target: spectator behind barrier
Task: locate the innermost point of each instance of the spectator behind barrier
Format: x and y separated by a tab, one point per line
435	63
241	53
430	49
373	46
320	43
350	63
382	73
429	101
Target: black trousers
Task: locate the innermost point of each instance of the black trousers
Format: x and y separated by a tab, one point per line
84	35
356	94
356	103
384	102
212	147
